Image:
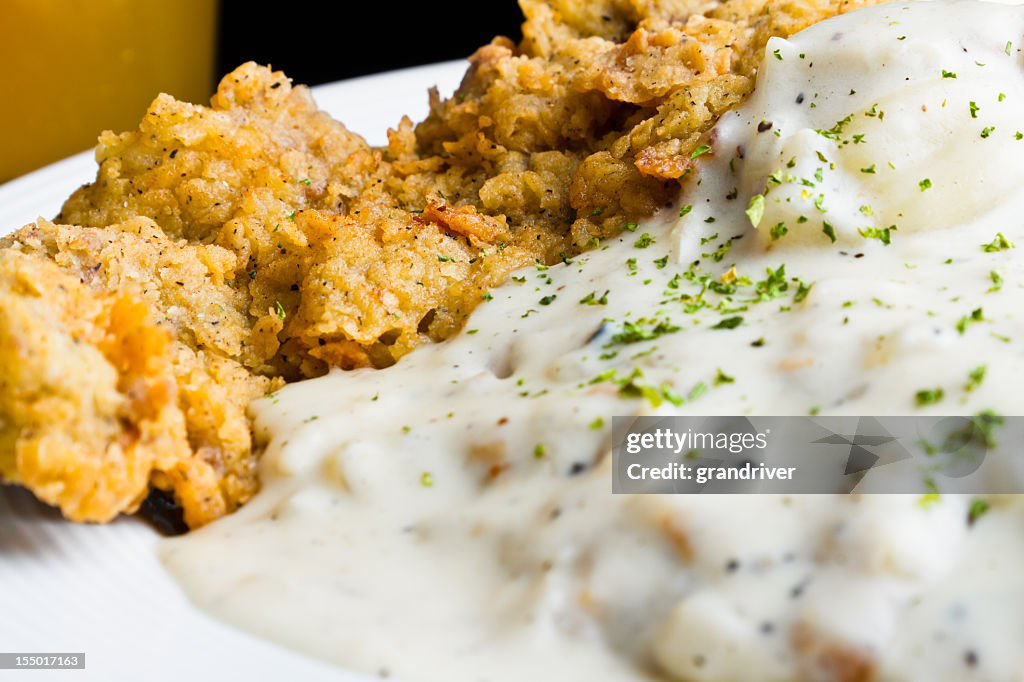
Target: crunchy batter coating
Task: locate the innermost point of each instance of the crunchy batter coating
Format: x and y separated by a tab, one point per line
224	249
103	391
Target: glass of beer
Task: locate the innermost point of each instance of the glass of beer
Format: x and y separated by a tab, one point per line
74	68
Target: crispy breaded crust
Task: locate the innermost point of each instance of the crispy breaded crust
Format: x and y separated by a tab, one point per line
224	249
99	397
333	270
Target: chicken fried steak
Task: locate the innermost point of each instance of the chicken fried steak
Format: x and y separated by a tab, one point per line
224	250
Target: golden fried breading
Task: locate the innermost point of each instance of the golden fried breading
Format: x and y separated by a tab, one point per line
590	123
222	249
332	269
98	400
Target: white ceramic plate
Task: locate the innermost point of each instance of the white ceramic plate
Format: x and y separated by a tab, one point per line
100	589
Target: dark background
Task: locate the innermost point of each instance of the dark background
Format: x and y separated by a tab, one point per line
318	42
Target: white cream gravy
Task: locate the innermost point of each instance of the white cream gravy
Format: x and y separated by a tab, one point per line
451	519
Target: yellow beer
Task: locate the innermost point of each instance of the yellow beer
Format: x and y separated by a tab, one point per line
73	68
